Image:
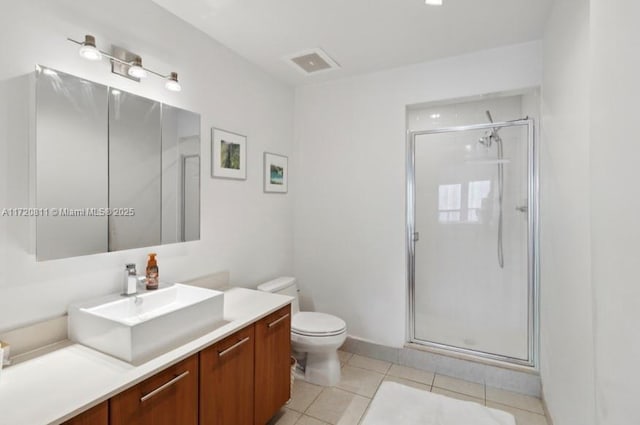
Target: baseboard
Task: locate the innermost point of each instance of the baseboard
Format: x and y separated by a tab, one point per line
506	378
547	414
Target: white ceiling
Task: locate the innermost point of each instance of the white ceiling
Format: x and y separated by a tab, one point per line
361	35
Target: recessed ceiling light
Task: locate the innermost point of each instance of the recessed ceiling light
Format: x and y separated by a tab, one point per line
433	2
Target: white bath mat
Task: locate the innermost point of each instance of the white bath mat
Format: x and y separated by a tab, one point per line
398	404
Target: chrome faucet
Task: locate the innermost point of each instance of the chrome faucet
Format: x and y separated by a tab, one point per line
131	279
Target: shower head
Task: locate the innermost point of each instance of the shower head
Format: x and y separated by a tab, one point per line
488	112
490	136
486	140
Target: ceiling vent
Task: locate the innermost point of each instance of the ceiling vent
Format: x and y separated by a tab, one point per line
312	61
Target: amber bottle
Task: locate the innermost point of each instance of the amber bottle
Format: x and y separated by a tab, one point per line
152	272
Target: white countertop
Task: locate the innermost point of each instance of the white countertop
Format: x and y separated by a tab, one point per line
57	386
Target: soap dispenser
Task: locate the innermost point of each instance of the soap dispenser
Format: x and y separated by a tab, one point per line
152	272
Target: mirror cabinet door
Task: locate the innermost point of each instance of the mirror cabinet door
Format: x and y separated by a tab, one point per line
190	198
99	147
71	164
180	175
134	171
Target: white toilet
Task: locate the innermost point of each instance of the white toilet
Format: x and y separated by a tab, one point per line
315	337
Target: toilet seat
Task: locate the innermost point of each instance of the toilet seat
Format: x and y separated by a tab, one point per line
309	323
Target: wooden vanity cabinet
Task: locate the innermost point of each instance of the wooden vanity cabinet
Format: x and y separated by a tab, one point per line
272	386
97	415
167	398
243	379
226	380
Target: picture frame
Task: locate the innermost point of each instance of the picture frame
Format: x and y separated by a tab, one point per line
228	154
276	173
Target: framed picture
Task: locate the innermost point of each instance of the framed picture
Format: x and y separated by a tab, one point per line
276	173
228	155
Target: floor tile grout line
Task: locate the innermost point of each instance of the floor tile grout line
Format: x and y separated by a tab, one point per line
517	408
364	368
353	392
484	387
314	400
368	370
427	384
313	417
371	400
457	392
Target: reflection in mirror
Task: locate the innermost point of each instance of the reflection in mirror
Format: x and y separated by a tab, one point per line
71	164
134	171
180	175
190	197
98	148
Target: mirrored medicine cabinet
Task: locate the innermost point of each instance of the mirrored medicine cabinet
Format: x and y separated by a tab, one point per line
113	170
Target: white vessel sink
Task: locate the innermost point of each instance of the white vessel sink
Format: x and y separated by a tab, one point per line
138	327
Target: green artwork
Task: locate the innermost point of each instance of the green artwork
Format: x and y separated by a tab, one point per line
229	155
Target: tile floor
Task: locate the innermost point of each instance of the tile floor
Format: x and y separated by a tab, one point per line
347	402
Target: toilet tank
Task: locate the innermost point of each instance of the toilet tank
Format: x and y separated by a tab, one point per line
284	286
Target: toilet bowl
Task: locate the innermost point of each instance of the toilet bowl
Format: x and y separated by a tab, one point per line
315	337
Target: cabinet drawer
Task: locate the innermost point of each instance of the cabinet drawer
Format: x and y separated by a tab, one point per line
168	398
226	380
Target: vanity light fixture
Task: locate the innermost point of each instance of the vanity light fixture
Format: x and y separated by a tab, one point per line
172	82
132	67
433	2
136	70
88	49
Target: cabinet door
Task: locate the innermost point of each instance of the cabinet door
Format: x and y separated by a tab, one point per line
168	398
226	380
273	371
97	415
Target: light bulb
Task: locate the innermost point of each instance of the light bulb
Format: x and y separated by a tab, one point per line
172	82
433	2
136	70
88	50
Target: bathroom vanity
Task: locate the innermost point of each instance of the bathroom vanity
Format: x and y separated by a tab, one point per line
238	374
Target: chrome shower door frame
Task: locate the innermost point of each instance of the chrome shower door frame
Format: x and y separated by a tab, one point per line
533	240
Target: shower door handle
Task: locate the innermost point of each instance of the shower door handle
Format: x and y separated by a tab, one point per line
416	236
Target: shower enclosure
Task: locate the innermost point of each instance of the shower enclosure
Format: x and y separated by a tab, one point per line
472	239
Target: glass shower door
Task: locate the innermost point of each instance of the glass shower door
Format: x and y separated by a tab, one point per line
472	239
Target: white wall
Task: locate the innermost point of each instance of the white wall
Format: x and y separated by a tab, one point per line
615	232
349	159
566	297
243	230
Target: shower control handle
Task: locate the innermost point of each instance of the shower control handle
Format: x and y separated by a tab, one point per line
522	209
416	236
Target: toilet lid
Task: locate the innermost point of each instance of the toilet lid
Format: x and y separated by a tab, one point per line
317	324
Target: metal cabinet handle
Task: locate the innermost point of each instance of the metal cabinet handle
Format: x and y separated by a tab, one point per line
163	387
233	347
275	322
